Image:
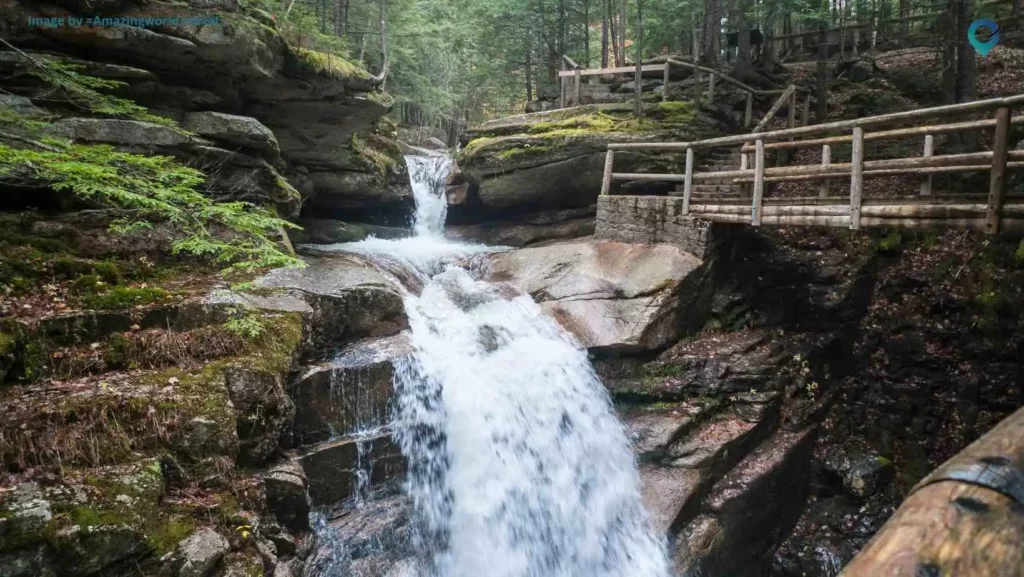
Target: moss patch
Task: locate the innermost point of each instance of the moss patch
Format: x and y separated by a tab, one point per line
380	153
329	65
541	137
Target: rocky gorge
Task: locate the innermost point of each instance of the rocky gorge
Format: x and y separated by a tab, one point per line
778	390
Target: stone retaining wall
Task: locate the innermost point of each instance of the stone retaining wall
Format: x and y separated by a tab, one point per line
656	219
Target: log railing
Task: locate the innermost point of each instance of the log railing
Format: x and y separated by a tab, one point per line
989	216
965	518
714	76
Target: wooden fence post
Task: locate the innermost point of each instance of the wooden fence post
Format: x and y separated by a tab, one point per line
755	205
664	84
806	120
696	85
929	149
606	181
561	96
997	181
688	182
711	88
745	165
748	114
577	89
792	110
826	159
856	177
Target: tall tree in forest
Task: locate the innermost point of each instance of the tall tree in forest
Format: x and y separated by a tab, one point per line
638	77
965	53
604	33
709	48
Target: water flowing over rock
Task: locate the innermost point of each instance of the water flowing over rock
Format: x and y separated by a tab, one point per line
516	464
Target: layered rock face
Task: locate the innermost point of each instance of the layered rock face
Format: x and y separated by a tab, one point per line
611	296
258	109
535	177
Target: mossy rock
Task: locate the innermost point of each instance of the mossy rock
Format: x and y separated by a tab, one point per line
101	520
91	520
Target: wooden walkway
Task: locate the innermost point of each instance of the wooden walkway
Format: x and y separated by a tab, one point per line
991	211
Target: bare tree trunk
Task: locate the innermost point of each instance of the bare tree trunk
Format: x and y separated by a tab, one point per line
709	35
604	34
529	70
965	60
949	46
362	47
904	14
637	102
561	29
614	32
821	91
623	18
345	17
586	33
743	65
382	78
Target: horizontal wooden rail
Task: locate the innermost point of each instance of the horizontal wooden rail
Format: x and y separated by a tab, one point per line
617	70
888	134
869	122
962	519
992	216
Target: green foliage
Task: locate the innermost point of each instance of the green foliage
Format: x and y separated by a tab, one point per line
83	90
155	188
246	323
381	154
890	243
118	298
330	64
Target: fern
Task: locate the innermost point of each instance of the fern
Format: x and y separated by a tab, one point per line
82	89
150	188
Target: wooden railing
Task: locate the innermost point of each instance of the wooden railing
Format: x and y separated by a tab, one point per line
577	74
964	519
986	216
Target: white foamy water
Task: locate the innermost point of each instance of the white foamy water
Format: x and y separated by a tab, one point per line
518	466
429	176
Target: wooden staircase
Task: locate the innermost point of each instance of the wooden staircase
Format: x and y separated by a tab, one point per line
717	160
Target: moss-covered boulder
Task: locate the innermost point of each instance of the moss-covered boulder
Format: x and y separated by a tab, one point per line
551	160
88	522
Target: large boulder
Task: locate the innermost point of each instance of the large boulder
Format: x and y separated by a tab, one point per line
351	393
347	298
609	295
201	552
241	131
552	160
749	512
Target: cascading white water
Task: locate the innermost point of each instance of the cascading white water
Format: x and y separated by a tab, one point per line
518	466
428	176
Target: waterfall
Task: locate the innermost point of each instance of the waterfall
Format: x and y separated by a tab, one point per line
428	176
517	463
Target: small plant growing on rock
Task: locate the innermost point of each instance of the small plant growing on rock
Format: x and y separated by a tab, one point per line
245	324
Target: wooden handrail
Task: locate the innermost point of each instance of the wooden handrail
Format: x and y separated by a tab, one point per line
962	519
996	161
901	132
726	78
869	122
603	71
570	62
775	108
